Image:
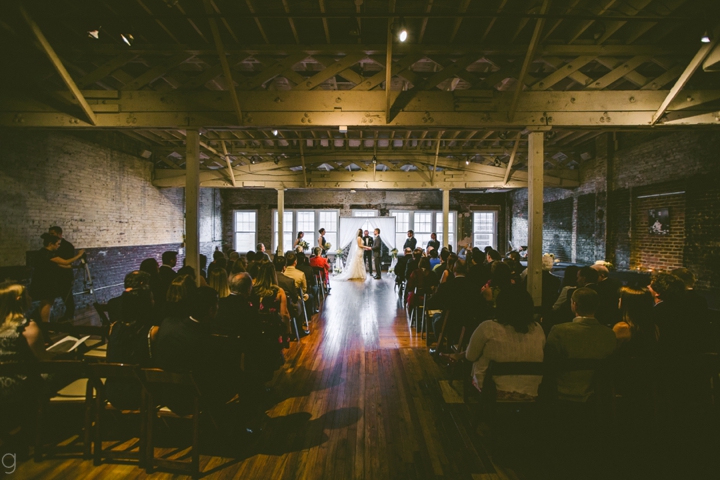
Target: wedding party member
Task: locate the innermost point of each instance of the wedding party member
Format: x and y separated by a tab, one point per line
411	241
355	267
67	278
46	283
367	253
434	243
377	253
321	242
298	240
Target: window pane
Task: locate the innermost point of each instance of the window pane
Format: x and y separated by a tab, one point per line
306	224
484	229
400	238
402	222
364	213
423	222
244	242
328	221
331	237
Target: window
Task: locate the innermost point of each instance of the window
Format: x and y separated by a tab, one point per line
288	237
402	225
308	222
451	228
484	233
328	219
364	213
422	224
245	230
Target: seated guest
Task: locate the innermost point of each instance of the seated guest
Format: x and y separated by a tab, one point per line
219	261
240	266
21	340
609	291
434	258
421	279
440	267
515	256
492	255
190	271
318	261
135	281
401	265
177	300
681	332
501	279
460	297
636	333
569	282
583	338
512	337
291	271
218	280
235	311
587	277
413	263
448	272
232	258
478	270
694	302
203	265
184	344
151	267
128	340
267	295
304	266
167	274
285	282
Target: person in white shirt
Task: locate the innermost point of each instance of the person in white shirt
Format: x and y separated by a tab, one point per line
513	336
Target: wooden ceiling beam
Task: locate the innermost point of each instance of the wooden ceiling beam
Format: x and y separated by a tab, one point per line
251	7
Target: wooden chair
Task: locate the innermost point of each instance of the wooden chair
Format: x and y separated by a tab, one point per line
99	374
293	319
156	380
78	392
301	295
103	313
441	338
322	288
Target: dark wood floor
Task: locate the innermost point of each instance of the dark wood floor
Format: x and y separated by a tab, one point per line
359	398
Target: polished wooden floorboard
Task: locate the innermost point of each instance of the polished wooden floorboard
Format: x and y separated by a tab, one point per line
359	398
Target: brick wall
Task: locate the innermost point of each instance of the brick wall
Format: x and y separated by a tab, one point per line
102	197
264	201
610	221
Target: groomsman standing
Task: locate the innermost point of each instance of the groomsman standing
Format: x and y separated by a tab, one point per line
367	254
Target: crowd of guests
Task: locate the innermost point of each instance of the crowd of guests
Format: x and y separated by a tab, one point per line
229	323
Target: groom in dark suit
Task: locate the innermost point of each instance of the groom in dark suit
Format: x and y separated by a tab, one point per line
377	253
367	254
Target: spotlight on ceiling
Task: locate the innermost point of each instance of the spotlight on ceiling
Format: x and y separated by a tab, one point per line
275	132
705	38
127	38
467	162
94	33
402	30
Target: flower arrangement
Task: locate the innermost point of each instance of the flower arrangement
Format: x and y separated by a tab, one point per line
339	251
394	252
303	244
327	246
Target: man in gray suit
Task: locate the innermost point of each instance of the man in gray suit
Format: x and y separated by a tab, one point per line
377	252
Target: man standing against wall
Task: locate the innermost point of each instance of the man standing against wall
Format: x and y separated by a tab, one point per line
66	276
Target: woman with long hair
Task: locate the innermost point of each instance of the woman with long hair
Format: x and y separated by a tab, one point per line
569	282
449	272
218	280
177	300
513	336
45	284
354	265
21	340
150	266
268	296
636	332
299	239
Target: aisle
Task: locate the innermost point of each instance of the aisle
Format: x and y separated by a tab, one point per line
359	398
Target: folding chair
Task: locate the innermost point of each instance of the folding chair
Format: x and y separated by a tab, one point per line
301	295
78	392
100	373
156	380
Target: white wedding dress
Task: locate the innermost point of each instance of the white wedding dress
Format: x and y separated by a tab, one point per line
354	266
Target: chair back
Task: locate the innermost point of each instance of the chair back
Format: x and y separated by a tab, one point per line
157	376
102	311
113	370
71	368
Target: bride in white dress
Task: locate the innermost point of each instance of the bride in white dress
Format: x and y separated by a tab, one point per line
355	266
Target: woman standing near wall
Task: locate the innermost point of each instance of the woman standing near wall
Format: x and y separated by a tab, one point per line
45	284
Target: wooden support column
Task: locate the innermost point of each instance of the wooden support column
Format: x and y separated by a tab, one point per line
535	215
388	70
446	217
281	223
192	200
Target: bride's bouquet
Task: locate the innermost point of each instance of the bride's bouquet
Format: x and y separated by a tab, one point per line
303	244
327	246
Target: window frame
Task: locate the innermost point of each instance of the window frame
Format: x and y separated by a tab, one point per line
496	220
375	213
295	230
435	216
236	231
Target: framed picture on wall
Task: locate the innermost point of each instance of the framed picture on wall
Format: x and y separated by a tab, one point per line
659	221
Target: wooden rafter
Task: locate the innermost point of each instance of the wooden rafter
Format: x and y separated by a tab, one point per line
423	25
59	67
257	21
291	21
529	56
324	21
464	4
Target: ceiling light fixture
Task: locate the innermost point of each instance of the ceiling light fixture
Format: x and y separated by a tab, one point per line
94	33
467	162
705	38
127	38
402	30
275	132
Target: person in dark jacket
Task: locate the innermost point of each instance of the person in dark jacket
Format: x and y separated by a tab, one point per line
66	277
